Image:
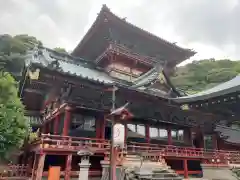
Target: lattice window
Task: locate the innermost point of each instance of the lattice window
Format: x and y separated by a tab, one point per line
158	133
153	132
141	129
83	122
177	135
163	133
132	127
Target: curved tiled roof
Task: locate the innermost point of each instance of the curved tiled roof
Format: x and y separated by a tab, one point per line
68	66
105	13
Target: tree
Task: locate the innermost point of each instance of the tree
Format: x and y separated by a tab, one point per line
60	50
13	125
13	50
200	75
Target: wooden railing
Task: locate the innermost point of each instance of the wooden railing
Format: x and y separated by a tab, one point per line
68	143
92	173
215	156
15	171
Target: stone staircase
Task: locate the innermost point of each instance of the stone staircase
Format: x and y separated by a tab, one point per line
136	168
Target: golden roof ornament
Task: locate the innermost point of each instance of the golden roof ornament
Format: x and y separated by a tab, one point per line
185	107
161	78
33	75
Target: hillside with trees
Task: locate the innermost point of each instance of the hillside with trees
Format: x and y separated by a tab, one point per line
200	75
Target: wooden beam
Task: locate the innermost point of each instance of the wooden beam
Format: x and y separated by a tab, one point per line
35	91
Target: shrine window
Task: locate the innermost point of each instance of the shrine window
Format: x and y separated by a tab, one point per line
140	129
208	142
163	133
132	127
83	122
153	132
89	123
158	133
177	135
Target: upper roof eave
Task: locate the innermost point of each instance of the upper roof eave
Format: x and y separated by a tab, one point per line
106	11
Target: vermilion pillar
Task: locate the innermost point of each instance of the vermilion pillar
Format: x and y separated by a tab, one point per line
56	124
103	124
40	166
126	133
185	166
47	128
68	167
147	133
67	120
169	136
99	127
214	140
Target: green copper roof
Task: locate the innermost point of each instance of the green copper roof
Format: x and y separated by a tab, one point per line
67	64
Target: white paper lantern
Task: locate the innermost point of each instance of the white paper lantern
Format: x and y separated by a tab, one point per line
118	135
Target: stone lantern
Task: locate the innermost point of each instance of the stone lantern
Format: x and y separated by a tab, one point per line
84	164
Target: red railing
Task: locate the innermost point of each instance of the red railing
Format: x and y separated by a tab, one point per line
92	173
15	171
216	156
69	143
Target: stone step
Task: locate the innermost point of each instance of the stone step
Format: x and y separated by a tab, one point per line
163	170
164	175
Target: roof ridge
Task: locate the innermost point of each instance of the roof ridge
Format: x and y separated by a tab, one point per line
106	9
70	59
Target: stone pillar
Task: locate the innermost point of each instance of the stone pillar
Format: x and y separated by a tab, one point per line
105	169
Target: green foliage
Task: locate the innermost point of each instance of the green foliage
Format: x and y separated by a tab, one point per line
13	125
33	136
200	75
12	52
60	50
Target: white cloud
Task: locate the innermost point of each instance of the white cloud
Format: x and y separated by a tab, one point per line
209	27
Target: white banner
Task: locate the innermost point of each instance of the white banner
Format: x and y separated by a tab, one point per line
118	135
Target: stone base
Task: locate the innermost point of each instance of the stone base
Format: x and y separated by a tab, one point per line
218	173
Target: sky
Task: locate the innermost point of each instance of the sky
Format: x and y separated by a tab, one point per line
210	27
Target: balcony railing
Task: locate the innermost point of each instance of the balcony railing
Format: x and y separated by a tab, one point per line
216	156
15	171
67	143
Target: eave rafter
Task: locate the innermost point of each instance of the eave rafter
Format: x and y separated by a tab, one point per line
121	50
